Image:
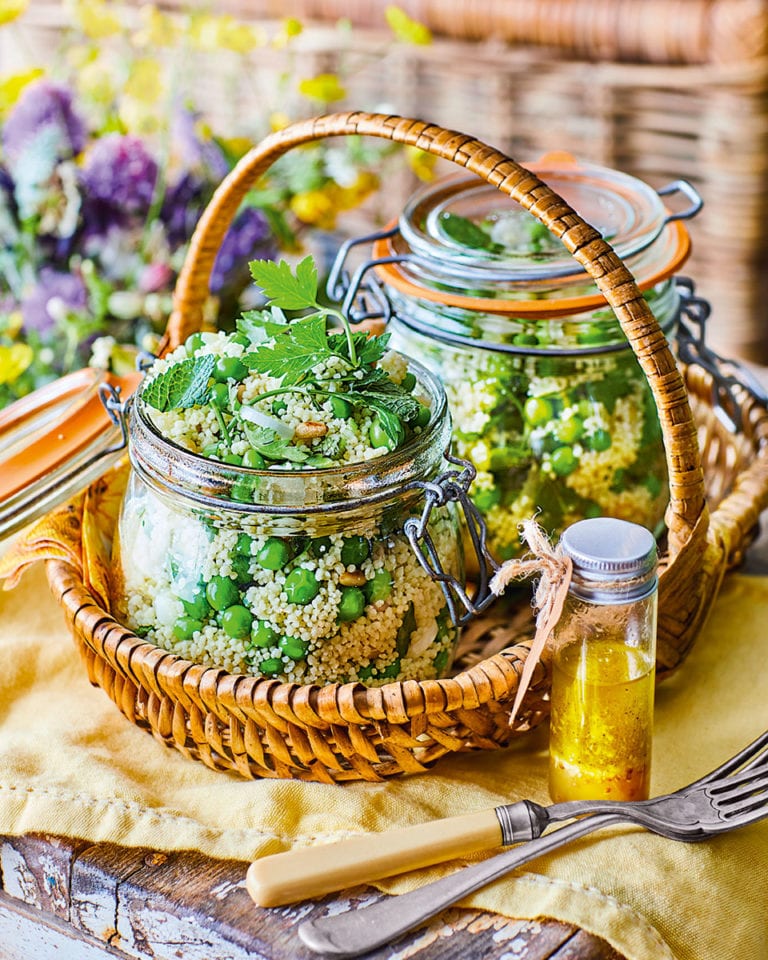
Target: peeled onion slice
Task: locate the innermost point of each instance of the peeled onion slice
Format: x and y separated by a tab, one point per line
265	420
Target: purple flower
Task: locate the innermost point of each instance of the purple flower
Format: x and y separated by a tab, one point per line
43	104
155	276
248	238
198	153
121	173
55	293
182	206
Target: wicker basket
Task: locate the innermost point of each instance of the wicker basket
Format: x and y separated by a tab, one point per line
266	728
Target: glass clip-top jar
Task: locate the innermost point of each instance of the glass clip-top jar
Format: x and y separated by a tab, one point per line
314	575
548	400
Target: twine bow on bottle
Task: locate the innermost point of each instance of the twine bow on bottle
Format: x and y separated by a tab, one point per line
555	569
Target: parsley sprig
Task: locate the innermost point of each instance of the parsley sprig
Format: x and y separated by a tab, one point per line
289	350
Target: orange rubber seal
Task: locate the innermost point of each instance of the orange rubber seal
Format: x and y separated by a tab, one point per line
392	274
50	448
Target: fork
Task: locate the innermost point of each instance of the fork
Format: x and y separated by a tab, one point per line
310	872
732	796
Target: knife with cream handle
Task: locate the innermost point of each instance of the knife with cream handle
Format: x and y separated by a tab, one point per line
309	872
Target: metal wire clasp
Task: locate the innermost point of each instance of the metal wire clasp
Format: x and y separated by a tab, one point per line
729	376
453	486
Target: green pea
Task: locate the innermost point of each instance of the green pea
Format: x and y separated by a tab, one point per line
352	604
274	554
221	592
423	416
241	491
378	436
355	550
600	440
243	545
405	631
262	635
219	393
564	461
279	406
198	607
408	382
525	340
293	647
570	430
271	666
301	586
229	368
236	622
185	627
391	670
440	662
593	334
233	458
379	586
243	339
341	408
253	459
487	498
320	547
193	342
242	568
653	485
538	411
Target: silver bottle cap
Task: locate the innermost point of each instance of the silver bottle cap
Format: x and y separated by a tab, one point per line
606	550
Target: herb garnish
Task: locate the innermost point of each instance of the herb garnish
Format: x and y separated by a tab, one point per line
315	354
182	385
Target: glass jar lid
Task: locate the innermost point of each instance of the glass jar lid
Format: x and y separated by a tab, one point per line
463	242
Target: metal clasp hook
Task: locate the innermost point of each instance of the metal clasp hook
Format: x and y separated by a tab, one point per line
453	486
728	376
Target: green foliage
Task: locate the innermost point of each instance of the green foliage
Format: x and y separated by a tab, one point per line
182	385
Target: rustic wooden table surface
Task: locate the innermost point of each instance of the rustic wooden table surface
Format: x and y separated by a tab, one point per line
78	901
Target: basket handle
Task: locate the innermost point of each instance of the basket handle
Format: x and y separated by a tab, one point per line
687	506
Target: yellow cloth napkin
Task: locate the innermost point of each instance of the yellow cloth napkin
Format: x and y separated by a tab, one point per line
71	764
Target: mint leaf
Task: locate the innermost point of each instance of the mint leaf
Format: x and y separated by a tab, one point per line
269	445
383	393
185	384
293	351
283	289
466	233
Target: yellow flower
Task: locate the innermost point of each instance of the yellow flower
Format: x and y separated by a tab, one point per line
325	87
12	86
421	162
14	360
138	117
94	82
364	185
144	81
207	32
278	120
11	9
158	29
316	207
289	28
406	29
95	18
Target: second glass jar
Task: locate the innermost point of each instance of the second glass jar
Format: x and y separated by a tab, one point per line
548	400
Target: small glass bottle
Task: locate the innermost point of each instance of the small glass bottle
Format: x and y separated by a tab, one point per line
604	658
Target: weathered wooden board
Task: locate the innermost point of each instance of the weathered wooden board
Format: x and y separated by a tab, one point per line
69	899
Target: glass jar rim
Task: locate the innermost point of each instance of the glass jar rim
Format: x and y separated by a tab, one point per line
423	260
173	469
